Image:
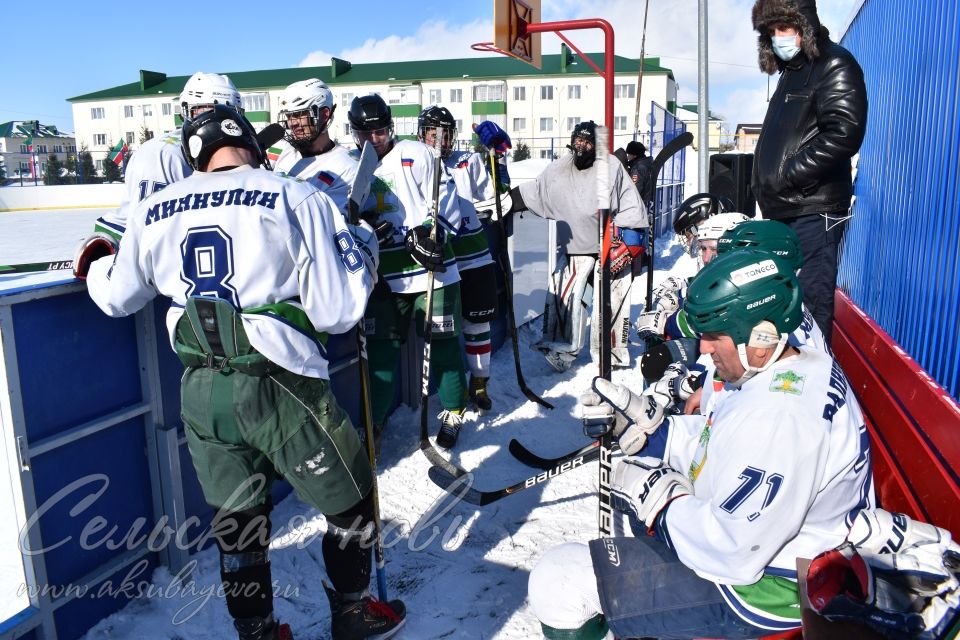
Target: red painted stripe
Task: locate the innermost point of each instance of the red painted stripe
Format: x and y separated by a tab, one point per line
475	350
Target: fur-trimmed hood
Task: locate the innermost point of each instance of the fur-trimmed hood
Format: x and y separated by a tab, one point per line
802	13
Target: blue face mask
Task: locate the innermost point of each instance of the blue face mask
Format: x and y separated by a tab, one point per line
785	47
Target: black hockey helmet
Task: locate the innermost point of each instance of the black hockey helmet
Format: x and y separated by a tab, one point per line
586	130
439	118
698	208
369	113
221	126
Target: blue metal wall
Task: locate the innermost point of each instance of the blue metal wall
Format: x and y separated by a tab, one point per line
901	260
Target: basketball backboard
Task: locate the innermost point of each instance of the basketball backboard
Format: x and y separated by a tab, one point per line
509	35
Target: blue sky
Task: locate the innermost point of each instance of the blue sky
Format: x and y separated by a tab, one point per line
72	48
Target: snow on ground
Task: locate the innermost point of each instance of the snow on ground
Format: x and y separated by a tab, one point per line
461	570
44	236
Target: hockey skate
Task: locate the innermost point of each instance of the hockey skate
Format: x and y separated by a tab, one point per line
363	619
450	423
478	393
262	629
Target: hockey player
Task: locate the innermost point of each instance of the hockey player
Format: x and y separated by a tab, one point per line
159	161
402	195
788	470
478	283
566	192
260	268
306	112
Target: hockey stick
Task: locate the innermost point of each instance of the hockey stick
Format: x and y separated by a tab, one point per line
425	445
504	260
665	154
529	458
34	267
359	191
460	486
605	449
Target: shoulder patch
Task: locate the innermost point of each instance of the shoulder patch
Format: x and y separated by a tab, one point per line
788	382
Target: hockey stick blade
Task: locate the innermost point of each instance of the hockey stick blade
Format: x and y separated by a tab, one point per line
34	267
459	487
669	150
529	458
439	462
270	135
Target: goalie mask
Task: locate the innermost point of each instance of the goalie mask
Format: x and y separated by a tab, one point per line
370	119
203	90
583	143
219	127
766	235
436	120
306	111
750	295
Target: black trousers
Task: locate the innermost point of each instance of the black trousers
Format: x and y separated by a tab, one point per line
820	238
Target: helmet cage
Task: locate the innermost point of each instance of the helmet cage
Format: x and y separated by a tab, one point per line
318	123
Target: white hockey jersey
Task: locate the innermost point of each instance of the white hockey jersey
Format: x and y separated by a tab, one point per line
259	239
157	163
331	172
780	468
473	184
402	193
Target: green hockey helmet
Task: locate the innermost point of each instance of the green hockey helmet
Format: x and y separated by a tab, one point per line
766	235
739	290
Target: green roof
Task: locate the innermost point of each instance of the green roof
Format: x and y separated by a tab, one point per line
695	108
492	67
25	128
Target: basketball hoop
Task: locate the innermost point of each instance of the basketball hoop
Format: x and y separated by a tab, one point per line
489	47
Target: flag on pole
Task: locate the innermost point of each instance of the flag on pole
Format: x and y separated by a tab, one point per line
118	152
29	145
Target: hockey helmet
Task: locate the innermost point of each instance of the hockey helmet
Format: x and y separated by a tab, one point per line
766	235
715	226
583	158
306	97
440	119
739	290
698	208
203	90
369	113
219	127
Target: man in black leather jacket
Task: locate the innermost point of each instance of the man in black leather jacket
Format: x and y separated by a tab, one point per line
815	123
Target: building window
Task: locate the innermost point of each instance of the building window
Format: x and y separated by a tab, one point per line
346	129
620	123
546	92
404	95
488	92
572	122
58	148
147	110
624	91
520	93
345	100
97	113
166	108
459	125
99	139
255	102
519	123
24	149
546	124
573	92
545	154
405	126
24	167
435	96
41	148
99	165
129	137
456	95
128	111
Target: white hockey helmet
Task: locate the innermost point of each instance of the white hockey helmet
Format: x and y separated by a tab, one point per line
714	226
311	96
203	90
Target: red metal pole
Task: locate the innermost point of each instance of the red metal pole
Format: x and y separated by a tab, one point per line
608	70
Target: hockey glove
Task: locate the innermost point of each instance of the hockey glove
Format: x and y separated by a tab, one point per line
652	324
627	246
677	383
880	532
492	136
425	250
669	301
633	417
91	249
366	240
654	362
671	284
645	486
487	209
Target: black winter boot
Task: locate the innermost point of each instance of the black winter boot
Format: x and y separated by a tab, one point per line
267	628
365	618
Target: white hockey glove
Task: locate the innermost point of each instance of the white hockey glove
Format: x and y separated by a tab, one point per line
366	240
668	301
92	248
652	323
487	209
677	383
670	285
645	486
634	418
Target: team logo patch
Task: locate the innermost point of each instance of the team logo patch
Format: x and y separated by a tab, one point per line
788	382
231	128
753	272
443	324
613	554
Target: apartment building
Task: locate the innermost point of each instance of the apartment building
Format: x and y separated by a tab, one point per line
26	142
539	107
